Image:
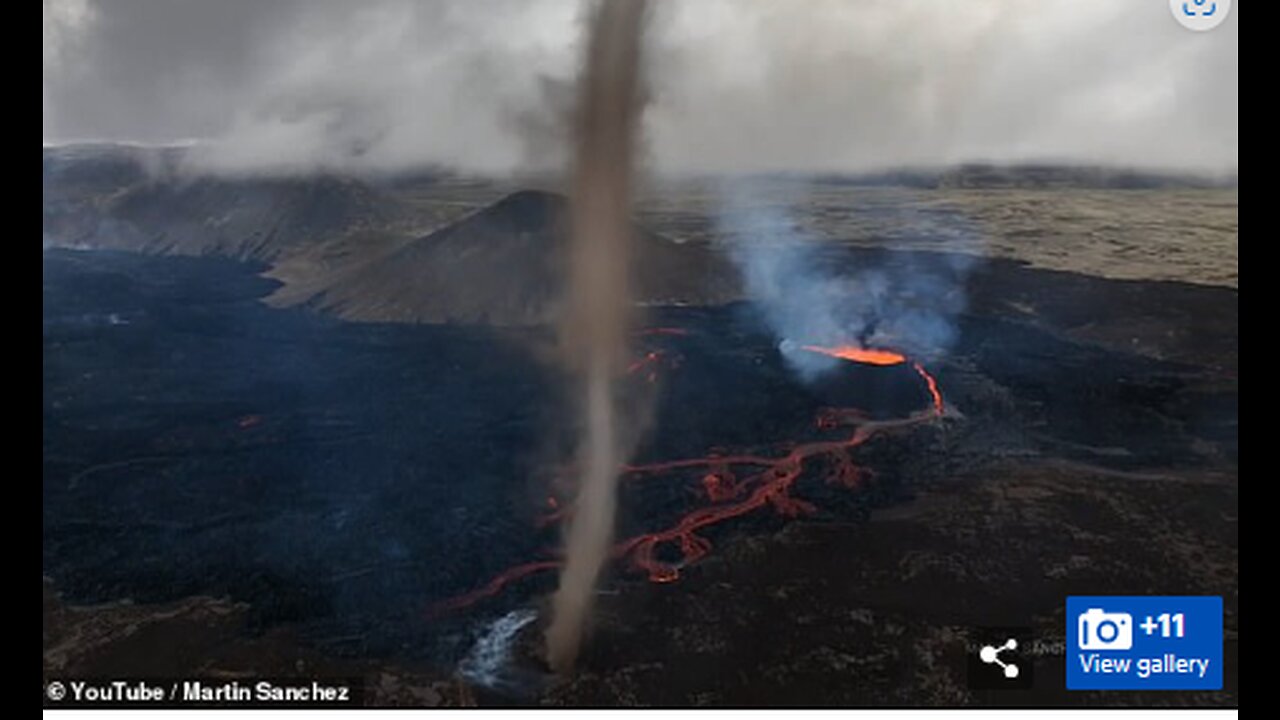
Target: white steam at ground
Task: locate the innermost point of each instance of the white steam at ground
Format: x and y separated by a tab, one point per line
489	660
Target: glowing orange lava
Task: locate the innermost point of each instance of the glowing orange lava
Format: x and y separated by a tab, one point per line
868	356
647	364
491	588
881	356
931	384
728	495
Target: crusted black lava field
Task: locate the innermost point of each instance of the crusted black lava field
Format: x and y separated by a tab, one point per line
272	487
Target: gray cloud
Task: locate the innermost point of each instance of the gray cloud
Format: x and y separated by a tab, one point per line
735	84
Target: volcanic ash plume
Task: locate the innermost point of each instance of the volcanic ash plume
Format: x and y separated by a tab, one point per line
596	319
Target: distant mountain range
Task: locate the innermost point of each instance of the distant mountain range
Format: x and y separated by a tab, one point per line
1068	176
362	248
138	199
345	245
1030	176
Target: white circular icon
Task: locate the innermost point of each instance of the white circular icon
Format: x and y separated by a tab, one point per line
1200	15
990	655
55	690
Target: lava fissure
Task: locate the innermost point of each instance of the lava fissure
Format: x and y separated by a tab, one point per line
854	353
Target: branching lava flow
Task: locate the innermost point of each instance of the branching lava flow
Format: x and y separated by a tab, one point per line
727	491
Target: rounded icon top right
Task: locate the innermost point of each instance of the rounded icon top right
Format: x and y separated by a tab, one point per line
1200	15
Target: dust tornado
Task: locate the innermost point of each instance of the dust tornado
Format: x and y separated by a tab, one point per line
597	318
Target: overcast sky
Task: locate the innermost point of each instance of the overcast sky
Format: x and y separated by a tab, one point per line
735	85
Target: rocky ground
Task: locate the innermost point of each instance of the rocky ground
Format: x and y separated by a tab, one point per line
1090	447
238	481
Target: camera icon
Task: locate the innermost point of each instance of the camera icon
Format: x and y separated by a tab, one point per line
1101	630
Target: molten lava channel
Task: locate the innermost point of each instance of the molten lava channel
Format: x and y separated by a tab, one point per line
767	481
853	353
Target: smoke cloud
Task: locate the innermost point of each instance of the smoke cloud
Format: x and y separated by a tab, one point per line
903	303
597	318
737	85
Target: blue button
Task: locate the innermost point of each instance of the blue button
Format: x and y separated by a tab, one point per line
1144	643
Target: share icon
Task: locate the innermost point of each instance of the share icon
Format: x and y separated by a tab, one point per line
991	654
